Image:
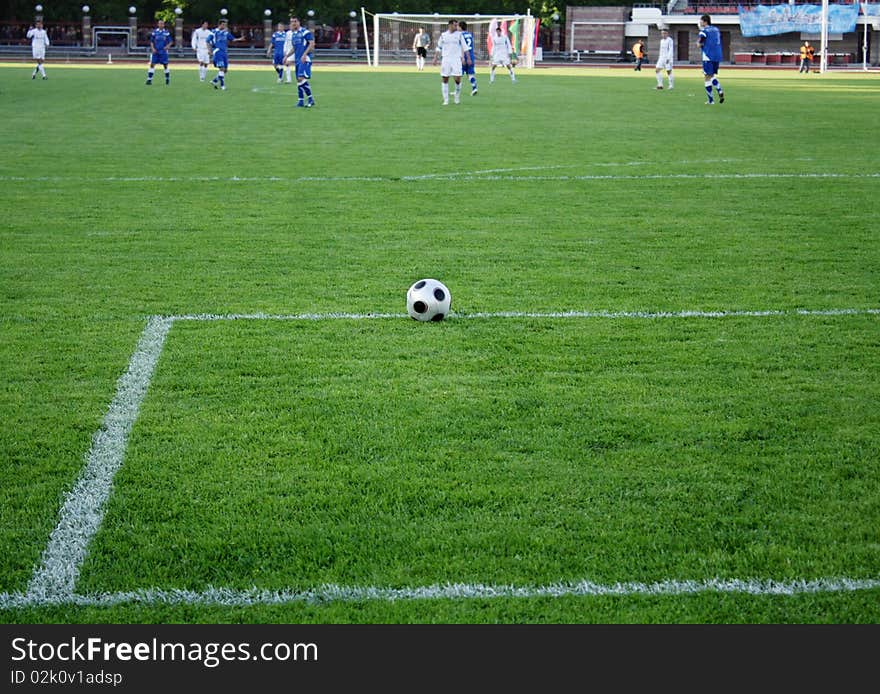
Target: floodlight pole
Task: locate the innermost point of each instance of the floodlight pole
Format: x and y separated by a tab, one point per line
823	61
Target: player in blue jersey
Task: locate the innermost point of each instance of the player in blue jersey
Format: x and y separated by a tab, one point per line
219	41
302	45
276	50
469	67
160	42
710	45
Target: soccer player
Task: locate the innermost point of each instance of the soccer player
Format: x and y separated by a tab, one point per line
276	49
288	49
468	67
454	51
160	42
219	41
501	50
710	44
202	49
39	41
664	60
420	48
303	45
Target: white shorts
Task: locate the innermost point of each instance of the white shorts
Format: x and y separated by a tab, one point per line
203	55
39	52
501	59
450	68
664	64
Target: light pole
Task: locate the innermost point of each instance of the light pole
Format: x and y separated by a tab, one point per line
267	28
86	26
132	27
352	32
555	33
178	30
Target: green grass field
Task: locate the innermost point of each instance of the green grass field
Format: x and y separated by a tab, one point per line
656	398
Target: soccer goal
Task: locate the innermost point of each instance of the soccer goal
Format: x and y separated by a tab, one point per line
393	34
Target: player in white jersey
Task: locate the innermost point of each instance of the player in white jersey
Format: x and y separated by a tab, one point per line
664	60
202	49
288	51
501	50
453	50
39	40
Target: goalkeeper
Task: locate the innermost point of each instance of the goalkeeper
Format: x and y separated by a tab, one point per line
501	52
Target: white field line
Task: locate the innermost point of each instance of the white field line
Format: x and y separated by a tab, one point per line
81	515
461	591
83	509
453	176
528	314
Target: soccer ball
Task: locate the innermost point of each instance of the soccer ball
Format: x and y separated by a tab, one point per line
428	300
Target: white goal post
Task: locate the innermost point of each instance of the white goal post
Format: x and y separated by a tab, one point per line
393	34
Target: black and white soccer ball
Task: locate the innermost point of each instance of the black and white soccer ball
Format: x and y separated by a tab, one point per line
428	300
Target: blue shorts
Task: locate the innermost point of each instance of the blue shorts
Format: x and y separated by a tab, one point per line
221	60
159	58
304	70
710	67
278	58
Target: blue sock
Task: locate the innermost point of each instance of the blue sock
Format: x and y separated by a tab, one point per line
717	86
150	74
300	92
307	90
709	91
473	81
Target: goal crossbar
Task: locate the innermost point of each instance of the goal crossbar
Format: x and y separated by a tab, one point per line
393	33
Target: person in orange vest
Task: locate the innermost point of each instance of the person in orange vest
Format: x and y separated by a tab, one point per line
640	53
807	53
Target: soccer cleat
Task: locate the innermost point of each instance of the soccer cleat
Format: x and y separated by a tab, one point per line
280	80
710	102
310	103
721	98
659	87
474	91
300	104
223	88
149	82
34	76
45	77
215	85
457	100
446	102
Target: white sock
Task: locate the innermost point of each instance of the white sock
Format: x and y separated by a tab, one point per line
671	80
444	90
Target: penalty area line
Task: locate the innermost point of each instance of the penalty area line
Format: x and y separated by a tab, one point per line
329	593
532	314
83	509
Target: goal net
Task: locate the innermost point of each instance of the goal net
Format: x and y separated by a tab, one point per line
391	35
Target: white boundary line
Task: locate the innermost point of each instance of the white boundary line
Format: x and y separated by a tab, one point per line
83	509
463	591
81	515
